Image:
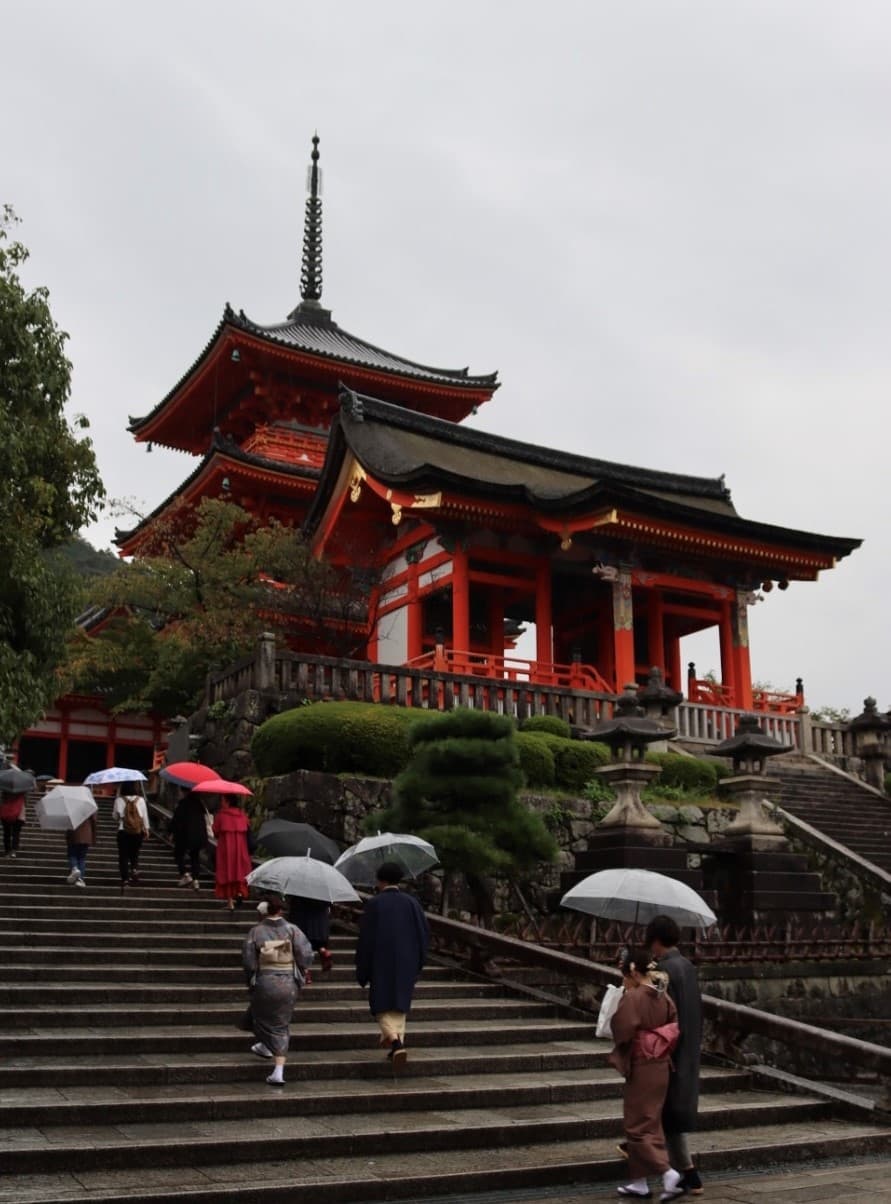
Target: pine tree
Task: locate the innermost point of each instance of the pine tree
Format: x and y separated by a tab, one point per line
459	791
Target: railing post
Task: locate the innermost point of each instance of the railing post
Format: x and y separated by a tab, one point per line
264	662
805	730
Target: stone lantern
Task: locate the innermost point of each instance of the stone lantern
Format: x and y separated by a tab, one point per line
757	877
660	702
628	734
749	788
870	729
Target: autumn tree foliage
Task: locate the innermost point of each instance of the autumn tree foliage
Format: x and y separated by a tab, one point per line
196	598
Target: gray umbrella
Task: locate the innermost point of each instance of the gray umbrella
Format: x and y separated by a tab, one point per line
16	781
284	838
303	876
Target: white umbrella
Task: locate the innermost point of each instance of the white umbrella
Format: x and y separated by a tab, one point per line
637	896
360	861
102	777
303	876
65	807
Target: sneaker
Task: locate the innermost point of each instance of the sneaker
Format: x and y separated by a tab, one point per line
73	877
13	855
79	881
262	1051
326	959
691	1182
185	880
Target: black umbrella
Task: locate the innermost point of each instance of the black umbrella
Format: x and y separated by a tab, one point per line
16	781
282	838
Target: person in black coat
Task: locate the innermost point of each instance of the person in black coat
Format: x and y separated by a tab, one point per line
189	828
313	918
679	1113
392	949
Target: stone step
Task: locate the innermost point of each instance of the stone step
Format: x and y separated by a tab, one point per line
312	1064
516	1171
33	1106
44	996
358	1134
222	1005
135	1039
62	966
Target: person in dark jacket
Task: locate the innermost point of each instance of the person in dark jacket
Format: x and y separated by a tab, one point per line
679	1114
189	829
313	918
392	949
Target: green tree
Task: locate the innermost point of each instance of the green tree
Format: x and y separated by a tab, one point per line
195	600
49	489
459	791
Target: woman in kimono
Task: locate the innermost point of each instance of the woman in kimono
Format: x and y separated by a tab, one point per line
645	1006
230	829
275	955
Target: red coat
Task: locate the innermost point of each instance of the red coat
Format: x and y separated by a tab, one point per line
230	827
12	807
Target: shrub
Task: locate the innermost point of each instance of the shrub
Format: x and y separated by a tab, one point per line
576	761
688	773
550	724
536	759
335	737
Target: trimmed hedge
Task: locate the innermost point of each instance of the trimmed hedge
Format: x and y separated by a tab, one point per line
574	760
335	737
687	773
536	759
552	725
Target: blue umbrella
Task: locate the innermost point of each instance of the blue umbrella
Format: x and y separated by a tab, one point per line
102	777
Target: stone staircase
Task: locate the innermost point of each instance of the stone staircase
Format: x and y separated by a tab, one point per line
836	805
123	1077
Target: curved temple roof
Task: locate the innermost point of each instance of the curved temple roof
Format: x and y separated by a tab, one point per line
401	448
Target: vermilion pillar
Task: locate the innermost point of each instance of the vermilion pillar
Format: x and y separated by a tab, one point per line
544	643
414	626
655	633
460	601
740	633
623	630
728	653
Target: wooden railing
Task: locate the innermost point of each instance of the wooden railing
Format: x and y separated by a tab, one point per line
317	678
574	676
730	1024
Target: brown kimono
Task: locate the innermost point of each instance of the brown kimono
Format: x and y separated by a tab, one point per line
646	1081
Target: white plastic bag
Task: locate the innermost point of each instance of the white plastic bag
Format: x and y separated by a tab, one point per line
608	1007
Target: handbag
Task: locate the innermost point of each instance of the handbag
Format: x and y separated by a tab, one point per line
611	999
208	824
246	1020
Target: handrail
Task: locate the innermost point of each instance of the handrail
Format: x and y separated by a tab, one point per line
732	1019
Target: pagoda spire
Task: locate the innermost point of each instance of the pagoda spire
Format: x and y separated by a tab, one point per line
311	262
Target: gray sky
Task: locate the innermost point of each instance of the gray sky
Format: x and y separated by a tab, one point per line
663	222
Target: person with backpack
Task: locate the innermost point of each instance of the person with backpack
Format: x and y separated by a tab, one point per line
645	1031
132	817
274	956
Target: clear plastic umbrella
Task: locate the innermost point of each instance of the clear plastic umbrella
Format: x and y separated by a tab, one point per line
360	861
303	876
637	896
103	777
65	807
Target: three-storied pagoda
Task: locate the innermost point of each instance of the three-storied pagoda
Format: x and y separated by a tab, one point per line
471	534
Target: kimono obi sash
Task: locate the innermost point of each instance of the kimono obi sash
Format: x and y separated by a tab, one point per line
653	1044
276	955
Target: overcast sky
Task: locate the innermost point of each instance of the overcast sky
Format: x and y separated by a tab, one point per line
665	224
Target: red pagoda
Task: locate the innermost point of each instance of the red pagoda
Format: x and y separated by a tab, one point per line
471	534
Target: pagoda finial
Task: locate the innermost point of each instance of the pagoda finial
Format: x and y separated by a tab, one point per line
311	263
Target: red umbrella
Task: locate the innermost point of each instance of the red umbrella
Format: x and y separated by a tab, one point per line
187	773
219	785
